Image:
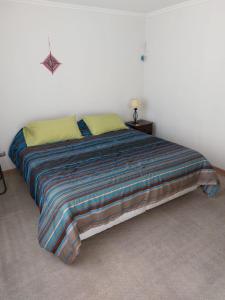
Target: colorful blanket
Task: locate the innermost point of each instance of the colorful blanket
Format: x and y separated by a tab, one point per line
80	184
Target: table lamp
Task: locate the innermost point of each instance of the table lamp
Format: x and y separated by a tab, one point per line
135	104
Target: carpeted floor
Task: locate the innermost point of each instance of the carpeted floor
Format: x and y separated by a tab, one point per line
176	251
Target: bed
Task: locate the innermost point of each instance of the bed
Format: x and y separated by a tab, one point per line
83	187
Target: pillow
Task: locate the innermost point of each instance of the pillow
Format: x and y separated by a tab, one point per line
83	128
99	124
51	131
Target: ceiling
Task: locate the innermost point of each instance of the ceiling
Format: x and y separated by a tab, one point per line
142	6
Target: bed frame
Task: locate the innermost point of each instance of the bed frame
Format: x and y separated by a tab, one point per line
134	213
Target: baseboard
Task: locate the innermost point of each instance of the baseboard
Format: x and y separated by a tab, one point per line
220	171
10	171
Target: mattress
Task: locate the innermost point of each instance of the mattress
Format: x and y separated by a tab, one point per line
80	185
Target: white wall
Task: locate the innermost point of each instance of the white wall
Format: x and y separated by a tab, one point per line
185	76
101	68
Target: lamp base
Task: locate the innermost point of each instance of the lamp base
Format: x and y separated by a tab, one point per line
135	116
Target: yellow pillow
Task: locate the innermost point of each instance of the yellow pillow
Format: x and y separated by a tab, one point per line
99	124
51	131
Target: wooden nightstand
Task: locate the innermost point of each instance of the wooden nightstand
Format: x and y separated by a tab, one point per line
2	154
142	125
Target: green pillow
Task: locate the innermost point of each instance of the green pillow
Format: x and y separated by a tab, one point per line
51	131
99	124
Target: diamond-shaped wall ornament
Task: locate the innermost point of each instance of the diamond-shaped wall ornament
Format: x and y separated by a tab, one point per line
51	63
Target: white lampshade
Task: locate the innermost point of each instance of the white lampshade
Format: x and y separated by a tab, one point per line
135	103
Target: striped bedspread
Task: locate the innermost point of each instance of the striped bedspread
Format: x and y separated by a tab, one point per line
81	184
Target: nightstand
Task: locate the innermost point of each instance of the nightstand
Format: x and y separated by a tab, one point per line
2	179
142	125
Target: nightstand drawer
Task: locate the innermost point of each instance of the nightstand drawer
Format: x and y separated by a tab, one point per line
146	129
142	125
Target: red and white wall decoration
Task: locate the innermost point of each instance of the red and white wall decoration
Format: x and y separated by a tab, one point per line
51	63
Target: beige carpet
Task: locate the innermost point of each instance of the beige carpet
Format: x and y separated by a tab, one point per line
176	251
